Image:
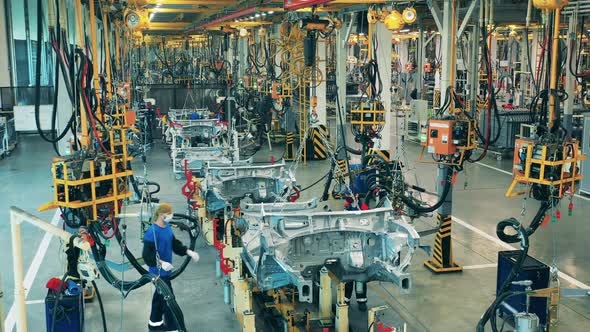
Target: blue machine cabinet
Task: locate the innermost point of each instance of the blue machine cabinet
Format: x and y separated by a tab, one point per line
532	270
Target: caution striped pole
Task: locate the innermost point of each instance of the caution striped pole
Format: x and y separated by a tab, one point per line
290	146
383	153
442	255
320	150
342	167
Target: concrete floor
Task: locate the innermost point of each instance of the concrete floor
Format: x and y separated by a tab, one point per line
451	302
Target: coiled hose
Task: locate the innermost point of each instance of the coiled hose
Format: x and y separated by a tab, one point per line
425	209
99	252
184	227
523	237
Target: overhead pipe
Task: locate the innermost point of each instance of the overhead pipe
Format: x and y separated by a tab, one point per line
233	16
298	4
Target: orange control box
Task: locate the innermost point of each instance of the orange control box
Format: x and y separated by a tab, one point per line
276	93
130	118
439	138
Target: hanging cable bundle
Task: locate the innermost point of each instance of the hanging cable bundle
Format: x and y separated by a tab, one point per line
61	66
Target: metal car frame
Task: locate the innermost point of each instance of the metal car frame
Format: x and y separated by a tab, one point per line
287	248
219	179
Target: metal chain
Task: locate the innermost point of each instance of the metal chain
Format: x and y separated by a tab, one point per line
302	143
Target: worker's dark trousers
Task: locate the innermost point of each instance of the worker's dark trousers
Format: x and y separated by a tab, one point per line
361	291
160	309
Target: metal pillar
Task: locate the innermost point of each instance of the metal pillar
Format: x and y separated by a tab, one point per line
570	79
64	112
341	53
242	51
5	56
403	47
442	260
420	63
534	54
320	91
524	71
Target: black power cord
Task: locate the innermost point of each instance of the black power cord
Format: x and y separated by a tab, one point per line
99	253
425	209
522	236
504	293
193	234
102	314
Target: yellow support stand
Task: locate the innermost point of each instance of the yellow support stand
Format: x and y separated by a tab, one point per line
325	307
341	311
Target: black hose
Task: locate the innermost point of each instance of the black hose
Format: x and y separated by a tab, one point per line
135	185
523	237
102	315
99	252
354	151
38	80
193	242
535	223
342	133
425	209
528	56
56	300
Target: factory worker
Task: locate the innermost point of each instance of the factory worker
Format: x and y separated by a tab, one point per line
158	245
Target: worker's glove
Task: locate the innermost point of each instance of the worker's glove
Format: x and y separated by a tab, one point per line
194	255
167	266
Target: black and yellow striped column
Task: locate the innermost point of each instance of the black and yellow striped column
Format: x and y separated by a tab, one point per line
383	153
342	167
442	255
320	150
290	146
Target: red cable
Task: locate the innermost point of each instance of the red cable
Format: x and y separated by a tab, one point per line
489	113
90	115
537	74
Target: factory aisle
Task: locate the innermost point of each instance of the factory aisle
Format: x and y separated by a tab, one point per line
451	302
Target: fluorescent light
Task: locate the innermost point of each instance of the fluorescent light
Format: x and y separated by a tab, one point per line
404	30
263	14
257	15
251	17
271	12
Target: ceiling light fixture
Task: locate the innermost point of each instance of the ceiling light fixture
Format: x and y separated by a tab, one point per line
257	15
409	15
271	12
394	21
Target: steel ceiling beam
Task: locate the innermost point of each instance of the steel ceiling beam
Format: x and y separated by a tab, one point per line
183	10
194	2
167	25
